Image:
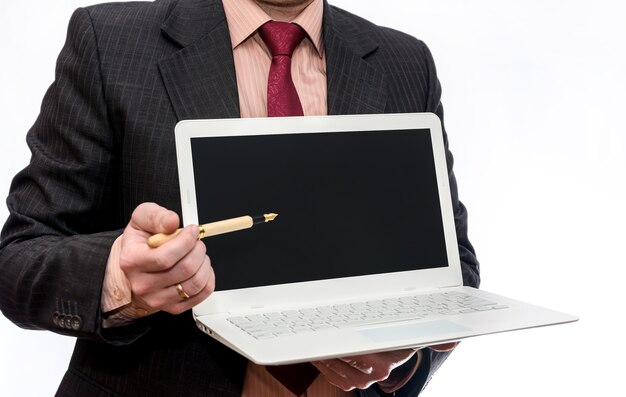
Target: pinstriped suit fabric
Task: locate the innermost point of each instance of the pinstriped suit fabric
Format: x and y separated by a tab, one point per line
103	143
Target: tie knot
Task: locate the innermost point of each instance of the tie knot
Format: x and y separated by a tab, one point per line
281	38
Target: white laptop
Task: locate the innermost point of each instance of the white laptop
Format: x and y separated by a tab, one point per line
363	255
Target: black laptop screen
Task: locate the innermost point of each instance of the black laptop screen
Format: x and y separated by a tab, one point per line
348	204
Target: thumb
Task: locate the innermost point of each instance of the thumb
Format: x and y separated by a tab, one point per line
153	218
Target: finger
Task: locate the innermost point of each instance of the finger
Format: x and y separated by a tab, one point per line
362	371
444	347
175	299
140	257
341	374
182	306
196	283
391	360
347	377
191	272
396	358
186	268
153	218
357	363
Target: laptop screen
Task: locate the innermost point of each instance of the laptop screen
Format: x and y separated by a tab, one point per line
348	204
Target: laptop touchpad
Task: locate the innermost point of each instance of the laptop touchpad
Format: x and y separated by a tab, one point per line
436	329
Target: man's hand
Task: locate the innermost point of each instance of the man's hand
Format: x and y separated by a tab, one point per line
154	273
361	372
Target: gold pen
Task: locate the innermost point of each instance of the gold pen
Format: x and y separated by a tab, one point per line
215	228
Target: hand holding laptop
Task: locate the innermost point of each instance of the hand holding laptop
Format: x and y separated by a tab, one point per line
362	371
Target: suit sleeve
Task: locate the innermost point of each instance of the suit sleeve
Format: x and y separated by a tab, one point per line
469	264
63	206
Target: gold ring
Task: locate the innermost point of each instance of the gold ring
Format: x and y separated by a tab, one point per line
181	292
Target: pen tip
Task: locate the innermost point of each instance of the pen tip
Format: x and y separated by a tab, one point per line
270	217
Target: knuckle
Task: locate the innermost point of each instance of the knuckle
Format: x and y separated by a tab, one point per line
141	292
368	384
142	209
128	258
154	214
200	246
381	374
211	286
208	289
187	269
137	211
363	385
176	309
345	386
141	289
162	262
153	302
331	365
211	278
126	263
196	284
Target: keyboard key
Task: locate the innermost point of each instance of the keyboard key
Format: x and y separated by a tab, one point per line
264	335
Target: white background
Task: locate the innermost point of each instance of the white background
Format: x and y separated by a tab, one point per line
535	97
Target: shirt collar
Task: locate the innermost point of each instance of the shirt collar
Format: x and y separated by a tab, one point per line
244	17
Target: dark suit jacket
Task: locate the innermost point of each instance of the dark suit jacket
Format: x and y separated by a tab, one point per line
104	143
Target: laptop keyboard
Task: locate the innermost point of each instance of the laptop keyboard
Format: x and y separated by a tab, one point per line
406	308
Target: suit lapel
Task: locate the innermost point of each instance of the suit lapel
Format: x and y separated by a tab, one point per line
354	86
200	77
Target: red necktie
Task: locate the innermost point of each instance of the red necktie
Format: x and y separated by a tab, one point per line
281	39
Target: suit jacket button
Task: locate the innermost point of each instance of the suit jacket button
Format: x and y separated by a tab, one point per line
55	319
76	323
61	320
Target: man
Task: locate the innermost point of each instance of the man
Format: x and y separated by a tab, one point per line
74	257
